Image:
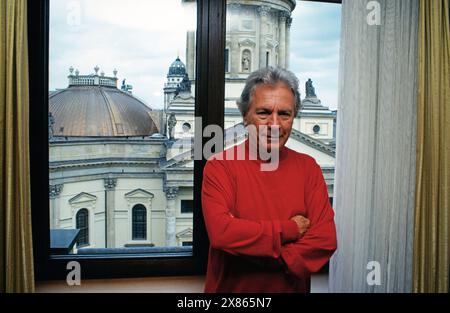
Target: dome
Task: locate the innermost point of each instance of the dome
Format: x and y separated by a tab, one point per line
177	68
99	111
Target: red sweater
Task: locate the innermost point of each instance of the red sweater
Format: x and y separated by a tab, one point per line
254	245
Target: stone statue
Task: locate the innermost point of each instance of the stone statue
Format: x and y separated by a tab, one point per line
246	61
51	122
171	123
310	91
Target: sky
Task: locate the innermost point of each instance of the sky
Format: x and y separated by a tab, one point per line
141	38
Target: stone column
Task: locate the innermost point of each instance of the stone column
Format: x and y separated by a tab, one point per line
264	13
55	210
235	54
171	195
190	54
110	185
288	41
282	52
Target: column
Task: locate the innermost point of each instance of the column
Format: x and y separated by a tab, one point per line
55	209
235	54
110	186
264	13
282	52
288	41
171	195
190	54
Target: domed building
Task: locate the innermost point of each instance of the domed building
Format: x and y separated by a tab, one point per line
122	172
257	35
110	175
92	106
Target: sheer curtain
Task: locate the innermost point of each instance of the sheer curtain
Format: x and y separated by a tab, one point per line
16	255
376	137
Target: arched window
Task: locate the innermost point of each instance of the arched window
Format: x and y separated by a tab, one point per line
83	225
139	223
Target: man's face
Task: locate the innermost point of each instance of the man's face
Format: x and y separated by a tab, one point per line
272	106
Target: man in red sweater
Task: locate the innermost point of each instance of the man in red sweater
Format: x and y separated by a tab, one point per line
269	230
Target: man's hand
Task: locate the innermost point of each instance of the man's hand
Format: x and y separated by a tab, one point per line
302	223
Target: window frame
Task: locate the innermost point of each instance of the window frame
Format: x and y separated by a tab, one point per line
84	213
138	210
210	105
210	89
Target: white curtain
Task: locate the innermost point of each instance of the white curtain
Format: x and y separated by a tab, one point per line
375	158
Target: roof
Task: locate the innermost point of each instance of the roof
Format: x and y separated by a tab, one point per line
177	68
99	111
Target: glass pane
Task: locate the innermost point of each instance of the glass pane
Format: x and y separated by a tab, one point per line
121	120
302	37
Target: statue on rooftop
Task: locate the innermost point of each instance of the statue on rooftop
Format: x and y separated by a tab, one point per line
310	91
171	123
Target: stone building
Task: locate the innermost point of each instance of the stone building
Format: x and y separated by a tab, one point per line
109	174
117	171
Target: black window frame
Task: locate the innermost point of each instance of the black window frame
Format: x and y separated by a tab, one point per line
210	92
139	222
210	105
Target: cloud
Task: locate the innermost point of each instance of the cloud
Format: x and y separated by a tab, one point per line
141	38
315	34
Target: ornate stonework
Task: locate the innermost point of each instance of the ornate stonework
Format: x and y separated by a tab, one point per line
55	190
171	193
110	183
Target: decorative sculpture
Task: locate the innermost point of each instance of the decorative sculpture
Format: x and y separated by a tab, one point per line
246	61
310	91
171	123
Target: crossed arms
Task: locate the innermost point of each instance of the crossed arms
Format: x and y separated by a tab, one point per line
299	246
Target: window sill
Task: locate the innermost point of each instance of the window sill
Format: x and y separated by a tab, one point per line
175	284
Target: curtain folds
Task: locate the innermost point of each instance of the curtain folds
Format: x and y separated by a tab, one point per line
16	255
432	209
375	157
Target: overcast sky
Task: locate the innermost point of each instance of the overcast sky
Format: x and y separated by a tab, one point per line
141	38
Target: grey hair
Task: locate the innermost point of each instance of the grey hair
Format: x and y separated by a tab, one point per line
268	76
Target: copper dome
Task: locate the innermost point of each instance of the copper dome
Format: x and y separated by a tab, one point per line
99	111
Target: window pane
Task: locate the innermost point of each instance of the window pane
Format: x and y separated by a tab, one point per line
139	222
187	206
303	38
121	120
82	218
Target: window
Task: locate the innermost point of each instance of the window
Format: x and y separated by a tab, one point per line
187	243
139	227
187	206
316	129
303	38
82	224
186	127
108	160
205	74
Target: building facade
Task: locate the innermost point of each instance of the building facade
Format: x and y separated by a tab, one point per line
122	172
